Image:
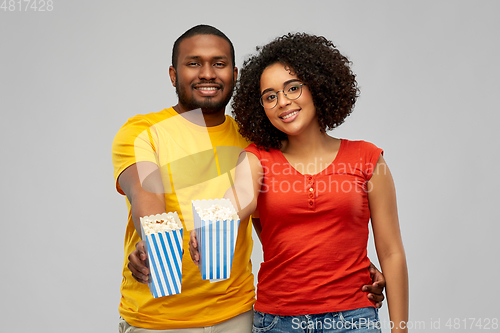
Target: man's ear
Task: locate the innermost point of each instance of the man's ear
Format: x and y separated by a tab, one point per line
235	74
172	73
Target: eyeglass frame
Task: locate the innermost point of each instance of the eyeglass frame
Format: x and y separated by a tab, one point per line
284	94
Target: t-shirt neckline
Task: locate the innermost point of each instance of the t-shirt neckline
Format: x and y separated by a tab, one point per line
211	129
335	160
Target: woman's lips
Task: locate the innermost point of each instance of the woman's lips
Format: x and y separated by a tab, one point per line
289	116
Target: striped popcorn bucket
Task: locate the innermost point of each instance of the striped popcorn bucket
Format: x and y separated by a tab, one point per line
164	251
216	241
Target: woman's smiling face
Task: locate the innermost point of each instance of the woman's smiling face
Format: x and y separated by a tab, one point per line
292	117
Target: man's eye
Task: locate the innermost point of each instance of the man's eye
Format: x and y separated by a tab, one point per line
192	64
219	64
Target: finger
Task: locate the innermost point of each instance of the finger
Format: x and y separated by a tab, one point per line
374	288
142	251
374	294
372	271
192	239
378	280
137	264
195	255
373	268
193	248
377	298
137	275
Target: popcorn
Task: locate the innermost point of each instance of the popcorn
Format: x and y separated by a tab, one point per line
216	212
159	223
163	241
216	225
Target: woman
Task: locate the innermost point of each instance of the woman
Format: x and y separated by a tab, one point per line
316	193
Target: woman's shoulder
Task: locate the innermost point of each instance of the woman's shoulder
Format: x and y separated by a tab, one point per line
360	150
261	152
363	155
359	145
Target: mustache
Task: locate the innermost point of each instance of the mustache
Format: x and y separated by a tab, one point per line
220	86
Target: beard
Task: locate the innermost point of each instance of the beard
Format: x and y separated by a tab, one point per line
208	105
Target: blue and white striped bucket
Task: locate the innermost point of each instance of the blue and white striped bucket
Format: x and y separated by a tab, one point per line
216	243
165	262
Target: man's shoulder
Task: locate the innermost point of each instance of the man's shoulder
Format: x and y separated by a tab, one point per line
232	122
234	129
137	125
152	118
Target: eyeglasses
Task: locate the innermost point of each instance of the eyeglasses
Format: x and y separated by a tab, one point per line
292	91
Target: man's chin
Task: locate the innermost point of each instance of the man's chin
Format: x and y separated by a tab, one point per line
209	107
212	110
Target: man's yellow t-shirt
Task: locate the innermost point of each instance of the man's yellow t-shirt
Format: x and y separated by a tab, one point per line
196	162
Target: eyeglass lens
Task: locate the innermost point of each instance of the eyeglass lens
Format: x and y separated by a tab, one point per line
292	91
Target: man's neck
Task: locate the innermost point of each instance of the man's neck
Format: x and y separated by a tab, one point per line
201	119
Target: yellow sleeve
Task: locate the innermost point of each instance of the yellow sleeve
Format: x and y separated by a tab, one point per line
133	143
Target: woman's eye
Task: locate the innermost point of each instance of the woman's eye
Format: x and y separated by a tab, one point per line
271	97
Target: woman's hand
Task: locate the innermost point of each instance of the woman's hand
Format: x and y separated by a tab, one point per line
193	248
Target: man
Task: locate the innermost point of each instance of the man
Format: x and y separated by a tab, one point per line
163	161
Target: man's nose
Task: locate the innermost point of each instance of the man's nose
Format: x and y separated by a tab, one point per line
207	72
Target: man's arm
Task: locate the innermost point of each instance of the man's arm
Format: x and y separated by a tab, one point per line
146	198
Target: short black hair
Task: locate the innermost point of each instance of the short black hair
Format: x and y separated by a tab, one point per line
317	63
201	29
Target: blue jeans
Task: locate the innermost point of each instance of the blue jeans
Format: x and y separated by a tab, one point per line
359	320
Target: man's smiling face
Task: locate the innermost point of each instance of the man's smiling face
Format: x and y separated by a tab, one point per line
205	76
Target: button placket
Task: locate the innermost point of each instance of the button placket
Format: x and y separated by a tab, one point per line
310	191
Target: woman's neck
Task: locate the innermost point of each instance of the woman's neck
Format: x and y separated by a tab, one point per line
307	144
311	155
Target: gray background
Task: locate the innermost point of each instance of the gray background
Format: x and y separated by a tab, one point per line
429	78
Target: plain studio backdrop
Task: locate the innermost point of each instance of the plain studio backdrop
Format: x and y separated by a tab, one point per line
428	72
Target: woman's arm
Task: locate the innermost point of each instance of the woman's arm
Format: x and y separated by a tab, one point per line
243	194
247	183
257	226
388	242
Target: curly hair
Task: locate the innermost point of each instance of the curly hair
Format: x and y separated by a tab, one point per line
317	63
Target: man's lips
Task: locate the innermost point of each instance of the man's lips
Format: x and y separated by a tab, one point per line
207	89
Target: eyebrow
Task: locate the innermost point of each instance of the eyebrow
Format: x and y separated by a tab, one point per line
284	84
199	57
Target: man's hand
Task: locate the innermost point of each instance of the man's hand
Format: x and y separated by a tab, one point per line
137	263
377	287
193	248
